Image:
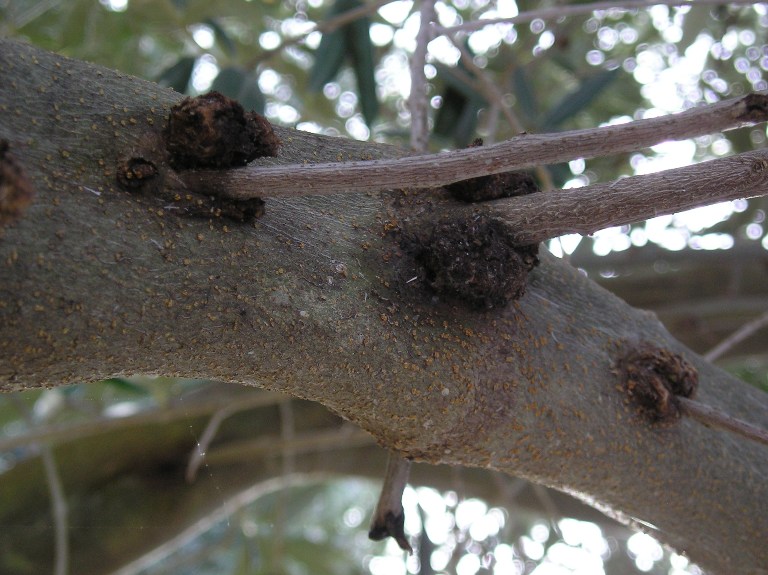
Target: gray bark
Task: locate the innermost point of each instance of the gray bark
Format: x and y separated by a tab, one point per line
317	299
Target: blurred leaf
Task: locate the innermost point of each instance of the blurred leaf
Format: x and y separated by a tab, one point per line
352	39
178	75
576	101
467	125
453	103
222	37
241	85
457	116
126	385
244	560
319	557
526	100
329	57
359	42
76	19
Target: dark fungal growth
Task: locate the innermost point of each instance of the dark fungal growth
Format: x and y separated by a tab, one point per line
494	186
214	131
16	191
654	377
473	259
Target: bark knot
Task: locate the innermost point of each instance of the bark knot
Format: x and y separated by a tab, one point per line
135	172
16	191
654	377
473	259
213	131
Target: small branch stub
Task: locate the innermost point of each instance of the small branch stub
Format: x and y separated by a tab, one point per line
654	378
214	131
389	517
16	190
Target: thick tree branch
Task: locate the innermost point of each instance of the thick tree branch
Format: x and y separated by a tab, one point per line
435	170
317	299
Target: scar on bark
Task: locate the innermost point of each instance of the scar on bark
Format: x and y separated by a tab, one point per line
389	516
210	131
654	379
16	191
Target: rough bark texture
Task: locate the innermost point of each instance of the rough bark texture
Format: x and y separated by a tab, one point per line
318	299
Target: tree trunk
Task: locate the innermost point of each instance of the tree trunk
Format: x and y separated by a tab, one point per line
322	298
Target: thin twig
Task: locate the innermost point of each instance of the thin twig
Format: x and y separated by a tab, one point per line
737	337
537	217
487	87
203	525
287	435
242	404
417	101
325	27
712	417
305	443
496	98
551	511
198	453
561	11
62	433
433	170
59	509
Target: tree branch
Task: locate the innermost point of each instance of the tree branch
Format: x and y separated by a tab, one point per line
314	299
435	170
585	210
736	337
561	11
389	517
418	101
712	417
59	508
